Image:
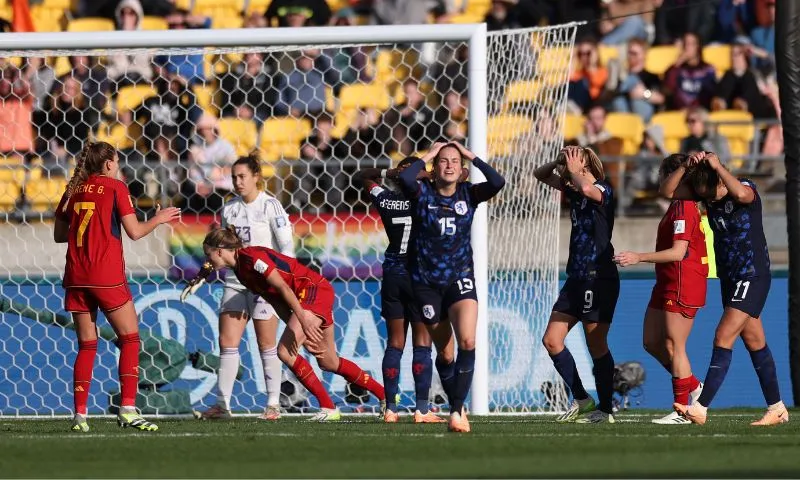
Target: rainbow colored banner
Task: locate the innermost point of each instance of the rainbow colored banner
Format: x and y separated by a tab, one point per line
341	246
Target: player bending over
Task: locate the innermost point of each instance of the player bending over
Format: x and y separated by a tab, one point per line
89	216
259	220
305	298
591	290
734	213
398	306
442	271
680	291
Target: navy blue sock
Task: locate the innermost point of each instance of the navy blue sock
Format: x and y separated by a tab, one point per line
447	374
604	381
717	369
767	375
422	368
565	366
465	368
391	376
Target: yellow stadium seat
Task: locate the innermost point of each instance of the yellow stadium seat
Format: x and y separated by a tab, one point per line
364	96
737	127
117	135
154	23
673	125
128	98
258	6
608	52
62	66
393	65
719	56
12	174
241	133
91	24
218	8
47	19
503	128
205	98
9	194
183	4
660	58
523	91
573	126
45	193
553	59
226	22
57	4
281	137
629	127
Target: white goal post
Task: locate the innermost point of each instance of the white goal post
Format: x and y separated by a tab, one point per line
515	237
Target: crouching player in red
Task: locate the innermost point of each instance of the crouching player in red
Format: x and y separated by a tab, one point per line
680	291
88	219
306	299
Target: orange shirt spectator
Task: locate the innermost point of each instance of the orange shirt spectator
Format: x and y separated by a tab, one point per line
16	110
588	78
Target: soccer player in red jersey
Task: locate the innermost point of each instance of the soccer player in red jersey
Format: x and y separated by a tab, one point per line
681	265
304	297
89	219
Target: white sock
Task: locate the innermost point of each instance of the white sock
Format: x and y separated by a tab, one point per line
272	375
228	367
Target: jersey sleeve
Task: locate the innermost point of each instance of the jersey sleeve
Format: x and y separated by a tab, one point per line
281	227
223	221
605	191
255	261
685	220
748	183
124	202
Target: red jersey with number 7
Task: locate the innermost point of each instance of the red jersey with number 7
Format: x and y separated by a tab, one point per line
94	248
685	279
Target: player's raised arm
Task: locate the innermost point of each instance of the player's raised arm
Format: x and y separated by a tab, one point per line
547	175
61	227
740	192
585	170
136	229
495	182
673	187
370	177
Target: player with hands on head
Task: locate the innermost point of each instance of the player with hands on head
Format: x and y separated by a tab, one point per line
90	217
260	220
591	290
302	296
743	267
398	306
441	265
681	265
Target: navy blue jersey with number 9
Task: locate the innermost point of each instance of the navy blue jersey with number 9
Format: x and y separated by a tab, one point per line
395	212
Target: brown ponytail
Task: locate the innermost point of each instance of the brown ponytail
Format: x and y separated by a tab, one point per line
254	165
223	238
594	164
90	161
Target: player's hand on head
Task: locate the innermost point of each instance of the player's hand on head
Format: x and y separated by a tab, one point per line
695	158
712	159
626	259
574	159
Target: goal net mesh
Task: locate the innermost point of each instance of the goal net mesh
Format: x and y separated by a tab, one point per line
313	115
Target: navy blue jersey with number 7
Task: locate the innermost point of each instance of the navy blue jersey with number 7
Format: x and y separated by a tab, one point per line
396	215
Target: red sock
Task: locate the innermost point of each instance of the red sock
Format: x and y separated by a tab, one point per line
693	383
681	388
303	371
129	368
353	374
82	374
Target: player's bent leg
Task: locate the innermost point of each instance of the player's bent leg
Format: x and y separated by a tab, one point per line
86	330
603	369
684	383
764	365
654	335
329	361
553	340
464	317
422	369
396	338
266	334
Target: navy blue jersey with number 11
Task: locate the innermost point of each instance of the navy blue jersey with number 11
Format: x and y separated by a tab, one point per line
395	212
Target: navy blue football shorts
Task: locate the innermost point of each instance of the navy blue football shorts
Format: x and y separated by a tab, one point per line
748	295
397	298
592	301
435	301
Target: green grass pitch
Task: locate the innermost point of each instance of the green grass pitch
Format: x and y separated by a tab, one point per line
362	447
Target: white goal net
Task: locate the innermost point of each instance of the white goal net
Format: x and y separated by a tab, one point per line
314	115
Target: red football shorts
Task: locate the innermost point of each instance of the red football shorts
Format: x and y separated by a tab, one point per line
318	299
89	299
668	302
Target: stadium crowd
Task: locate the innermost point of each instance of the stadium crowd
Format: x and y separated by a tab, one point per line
649	78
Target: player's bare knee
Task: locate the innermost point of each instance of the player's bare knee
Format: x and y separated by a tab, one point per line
552	344
283	354
466	343
397	342
327	362
754	341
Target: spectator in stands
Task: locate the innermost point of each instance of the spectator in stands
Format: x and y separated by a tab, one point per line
255	20
322	172
676	18
302	92
734	18
690	81
93	79
763	49
16	110
452	75
129	68
502	16
160	174
298	13
594	128
623	21
69	121
413	120
644	174
700	139
588	78
190	66
451	117
169	114
247	91
738	89
42	79
410	12
347	64
211	158
637	91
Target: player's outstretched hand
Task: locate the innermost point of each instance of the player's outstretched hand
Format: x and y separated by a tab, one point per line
312	327
626	259
167	215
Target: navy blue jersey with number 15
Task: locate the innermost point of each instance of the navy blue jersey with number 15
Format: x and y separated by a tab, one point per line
395	212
